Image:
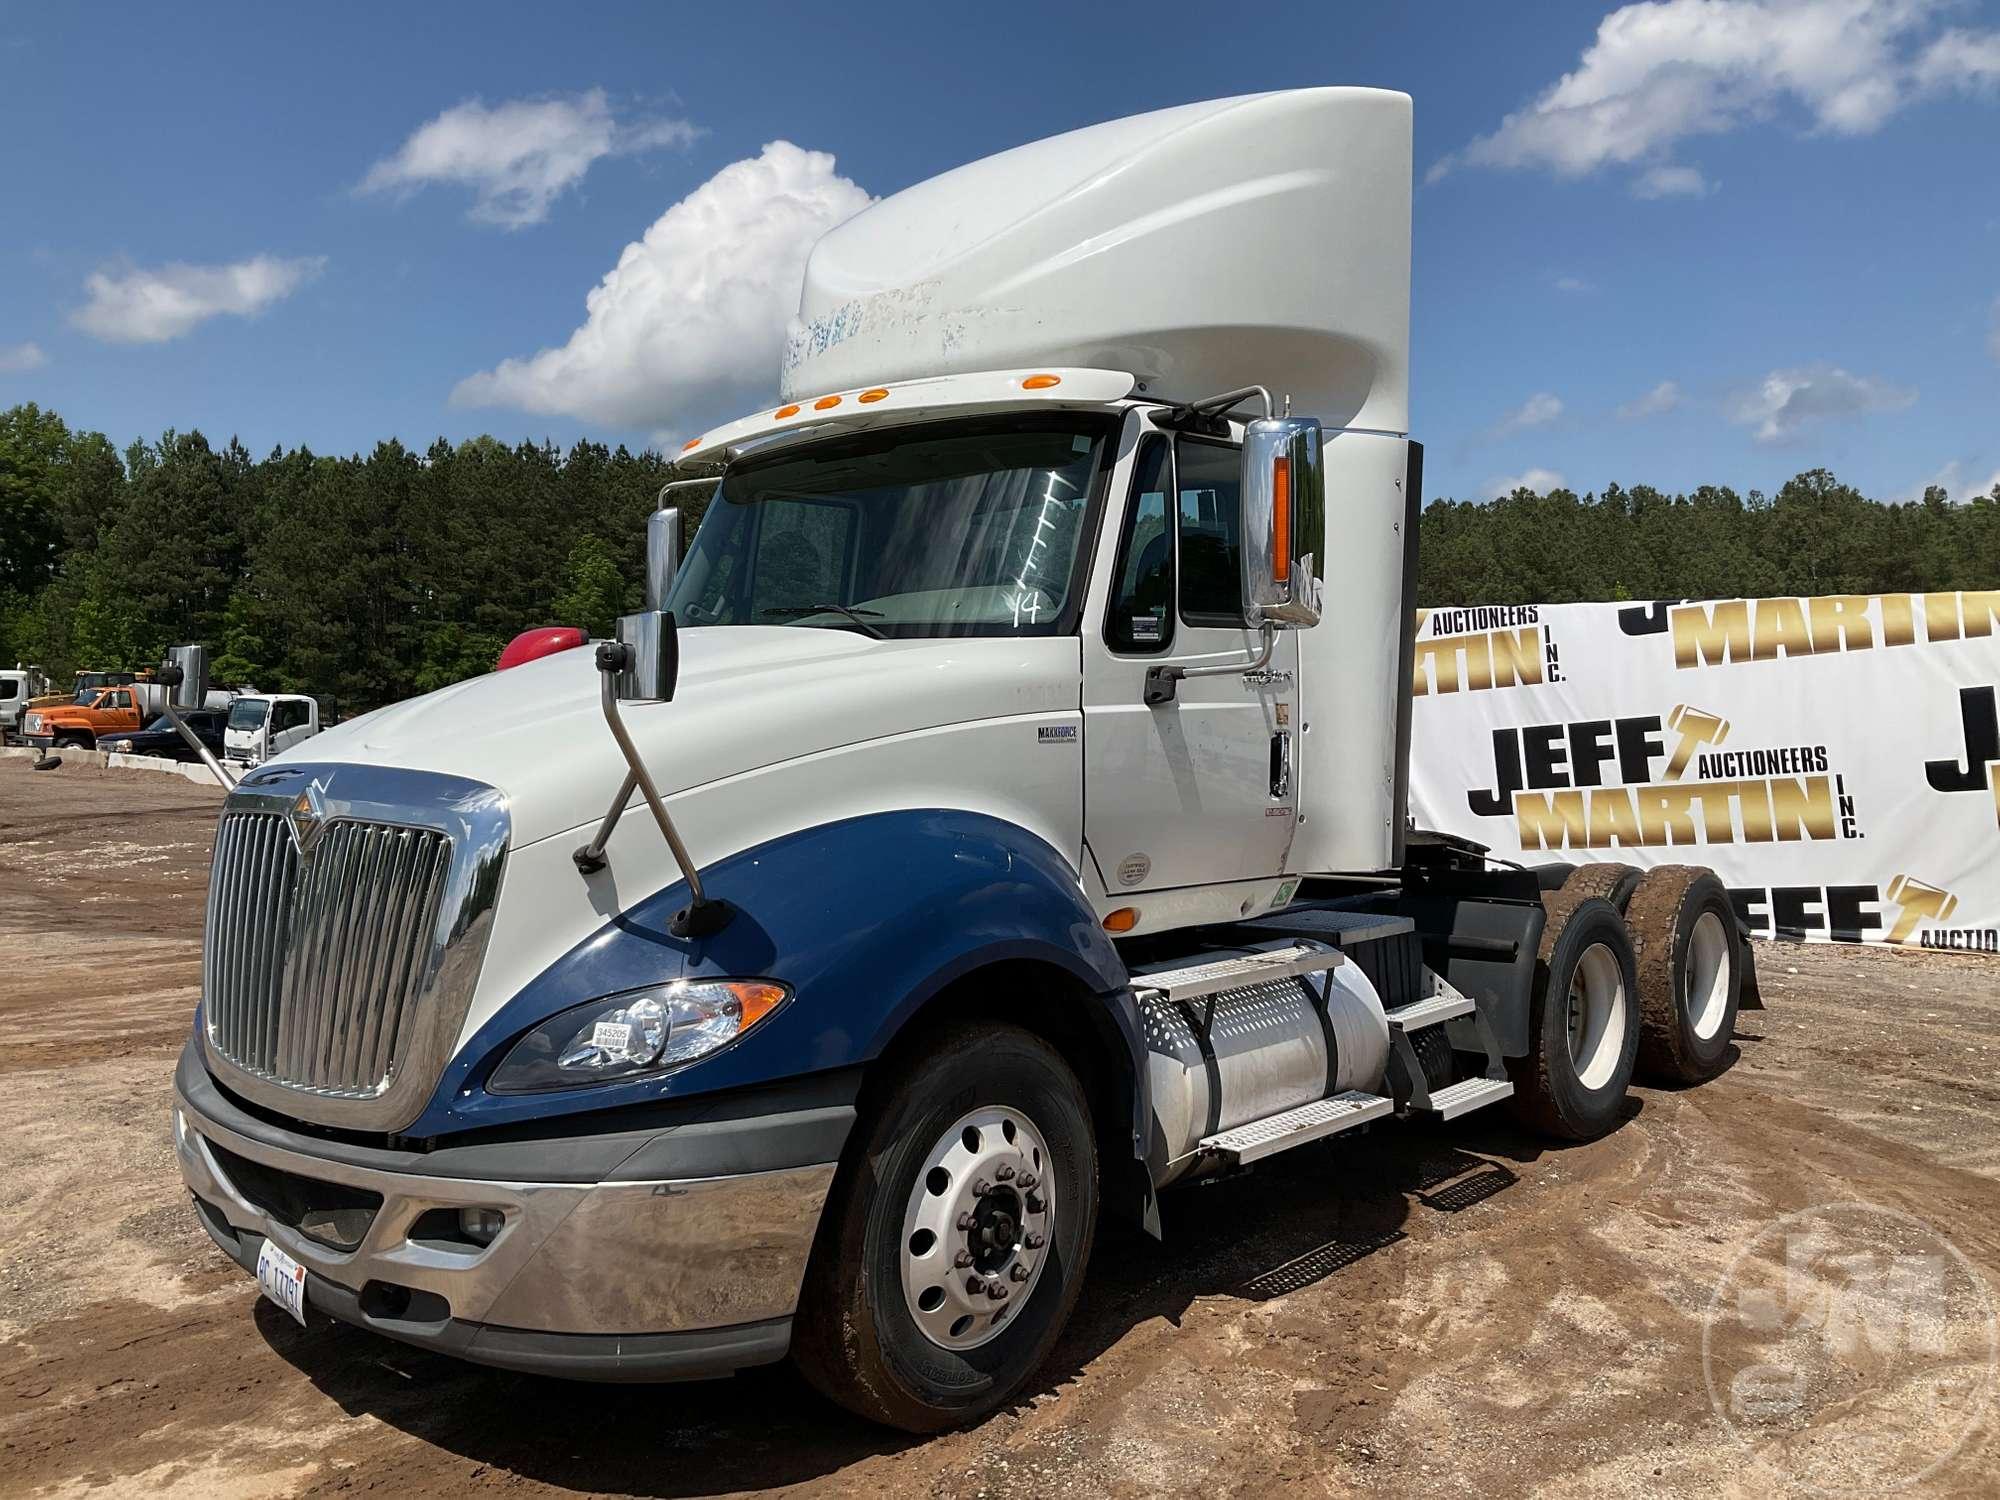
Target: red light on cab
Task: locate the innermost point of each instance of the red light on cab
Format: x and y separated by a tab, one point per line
544	640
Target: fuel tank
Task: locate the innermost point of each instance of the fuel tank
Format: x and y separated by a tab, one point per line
1234	1057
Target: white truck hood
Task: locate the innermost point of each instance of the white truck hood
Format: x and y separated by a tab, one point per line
749	696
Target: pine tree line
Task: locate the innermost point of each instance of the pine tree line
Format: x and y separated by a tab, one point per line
374	578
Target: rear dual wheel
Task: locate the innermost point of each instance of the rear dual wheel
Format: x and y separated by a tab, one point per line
1583	1021
954	1243
1690	980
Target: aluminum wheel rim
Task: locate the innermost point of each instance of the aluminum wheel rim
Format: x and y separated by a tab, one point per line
1709	962
976	1228
1596	1018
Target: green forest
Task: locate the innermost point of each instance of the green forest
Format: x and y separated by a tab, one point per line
372	578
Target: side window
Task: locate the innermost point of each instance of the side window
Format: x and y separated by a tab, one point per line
802	552
287	716
1210	477
1140	617
121	700
9	687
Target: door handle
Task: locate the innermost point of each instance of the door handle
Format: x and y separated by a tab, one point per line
1281	765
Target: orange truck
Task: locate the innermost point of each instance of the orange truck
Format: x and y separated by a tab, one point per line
115	710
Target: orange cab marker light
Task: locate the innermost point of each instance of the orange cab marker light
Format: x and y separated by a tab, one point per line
785	411
878	394
826	403
1040	382
1122	920
1281	519
757	1000
690	443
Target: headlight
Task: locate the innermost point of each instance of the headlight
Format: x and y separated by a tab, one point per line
637	1033
34	724
123	746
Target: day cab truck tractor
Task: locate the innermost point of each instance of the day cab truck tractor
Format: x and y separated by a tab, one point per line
1016	765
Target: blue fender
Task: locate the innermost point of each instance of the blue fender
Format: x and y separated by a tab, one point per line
866	919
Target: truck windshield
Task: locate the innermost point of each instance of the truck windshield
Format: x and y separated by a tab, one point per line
248	713
970	529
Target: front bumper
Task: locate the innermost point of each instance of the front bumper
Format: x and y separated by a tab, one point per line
630	1271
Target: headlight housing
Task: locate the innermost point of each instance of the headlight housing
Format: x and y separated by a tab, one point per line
122	746
636	1034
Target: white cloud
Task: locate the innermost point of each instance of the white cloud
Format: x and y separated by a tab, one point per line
1787	402
1538	410
1671	182
695	311
138	306
1541	481
518	157
1661	399
1574	284
1966	60
1952	479
18	359
1663	72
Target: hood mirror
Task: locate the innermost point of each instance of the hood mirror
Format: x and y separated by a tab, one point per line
644	660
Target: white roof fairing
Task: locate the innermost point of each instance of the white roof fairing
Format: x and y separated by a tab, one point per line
1261	240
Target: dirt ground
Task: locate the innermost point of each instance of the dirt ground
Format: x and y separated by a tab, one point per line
1423	1312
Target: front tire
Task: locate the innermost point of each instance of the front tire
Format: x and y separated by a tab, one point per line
899	1319
1583	1022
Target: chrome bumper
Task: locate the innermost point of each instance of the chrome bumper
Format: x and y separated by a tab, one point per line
606	1260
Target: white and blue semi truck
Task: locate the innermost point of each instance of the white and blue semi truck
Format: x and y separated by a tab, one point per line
1015	768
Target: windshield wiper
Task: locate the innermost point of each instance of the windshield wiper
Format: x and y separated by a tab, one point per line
860	617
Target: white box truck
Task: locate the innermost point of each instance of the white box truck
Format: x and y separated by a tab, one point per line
1017	763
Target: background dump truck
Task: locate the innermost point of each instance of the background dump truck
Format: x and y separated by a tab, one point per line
1016	770
93	717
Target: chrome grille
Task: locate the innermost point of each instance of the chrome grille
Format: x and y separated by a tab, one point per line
313	968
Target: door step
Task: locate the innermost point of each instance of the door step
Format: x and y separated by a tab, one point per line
1295	1127
1421	1013
1236	972
1473	1093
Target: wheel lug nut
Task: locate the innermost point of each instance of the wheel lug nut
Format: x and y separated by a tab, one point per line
1003	1171
1035	1241
1018	1271
981	1187
974	1285
966	1221
962	1259
1028	1180
1036	1203
997	1291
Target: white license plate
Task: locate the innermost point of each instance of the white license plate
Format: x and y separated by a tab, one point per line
282	1279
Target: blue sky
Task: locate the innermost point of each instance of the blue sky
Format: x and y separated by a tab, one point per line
1712	241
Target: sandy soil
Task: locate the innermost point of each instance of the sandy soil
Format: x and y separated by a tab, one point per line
1423	1312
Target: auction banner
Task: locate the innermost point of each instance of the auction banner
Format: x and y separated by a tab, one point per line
1835	760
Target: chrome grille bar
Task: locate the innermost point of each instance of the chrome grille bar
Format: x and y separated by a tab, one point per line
313	968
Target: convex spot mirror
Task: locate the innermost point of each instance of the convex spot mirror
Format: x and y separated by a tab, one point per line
1284	517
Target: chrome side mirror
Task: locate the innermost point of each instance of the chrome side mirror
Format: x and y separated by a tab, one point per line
1284	518
663	555
644	661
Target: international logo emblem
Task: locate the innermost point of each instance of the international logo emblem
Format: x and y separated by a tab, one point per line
307	818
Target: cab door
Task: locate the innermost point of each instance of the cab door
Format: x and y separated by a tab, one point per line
1198	790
